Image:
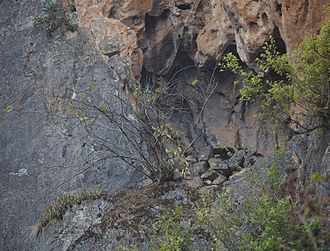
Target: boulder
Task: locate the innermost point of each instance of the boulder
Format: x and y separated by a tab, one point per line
199	168
194	182
205	153
219	166
220	180
240	159
210	175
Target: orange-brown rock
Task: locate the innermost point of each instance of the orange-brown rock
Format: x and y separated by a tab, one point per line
208	27
254	21
161	35
299	17
112	36
217	34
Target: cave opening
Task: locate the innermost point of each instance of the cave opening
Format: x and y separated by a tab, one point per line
183	89
188	87
183	71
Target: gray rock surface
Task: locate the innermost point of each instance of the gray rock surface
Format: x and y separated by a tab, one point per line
42	156
123	221
200	168
220	180
205	153
219	166
210	175
193	182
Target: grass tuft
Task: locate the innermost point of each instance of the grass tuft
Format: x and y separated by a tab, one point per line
56	210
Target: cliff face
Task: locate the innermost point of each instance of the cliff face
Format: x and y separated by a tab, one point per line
117	43
163	37
43	156
202	28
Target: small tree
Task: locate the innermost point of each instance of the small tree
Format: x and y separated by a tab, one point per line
301	79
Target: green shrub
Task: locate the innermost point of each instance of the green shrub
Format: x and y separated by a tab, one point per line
160	157
269	223
302	79
266	221
170	232
310	66
72	6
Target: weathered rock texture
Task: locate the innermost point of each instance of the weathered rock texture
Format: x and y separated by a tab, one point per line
42	156
203	28
121	221
164	36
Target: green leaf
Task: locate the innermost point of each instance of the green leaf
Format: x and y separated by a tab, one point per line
8	109
317	177
83	96
104	108
92	85
158	90
154	98
195	82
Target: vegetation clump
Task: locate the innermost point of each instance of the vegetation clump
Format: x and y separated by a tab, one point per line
56	210
54	17
161	151
170	232
302	79
268	220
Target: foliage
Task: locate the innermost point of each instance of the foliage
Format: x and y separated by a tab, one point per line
170	232
275	95
8	109
269	223
57	208
168	137
302	78
269	220
72	6
195	82
134	125
311	76
53	16
266	219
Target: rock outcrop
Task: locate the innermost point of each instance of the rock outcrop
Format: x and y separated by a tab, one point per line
203	28
118	43
121	221
163	37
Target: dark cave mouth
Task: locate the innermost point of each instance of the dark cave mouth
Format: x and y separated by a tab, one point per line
183	65
184	70
186	101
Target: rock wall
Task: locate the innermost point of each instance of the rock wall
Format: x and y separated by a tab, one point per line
42	156
205	28
163	37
